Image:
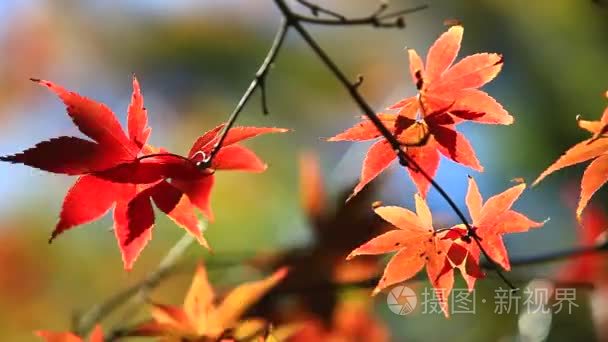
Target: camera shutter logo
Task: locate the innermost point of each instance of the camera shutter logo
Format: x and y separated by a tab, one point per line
401	300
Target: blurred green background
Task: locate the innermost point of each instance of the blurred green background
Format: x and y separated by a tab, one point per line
194	59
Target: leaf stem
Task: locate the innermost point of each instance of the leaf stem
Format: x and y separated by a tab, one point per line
292	20
87	321
352	88
371	282
165	155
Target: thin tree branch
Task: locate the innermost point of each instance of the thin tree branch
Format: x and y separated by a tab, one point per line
560	255
390	20
520	262
403	158
402	12
258	82
292	19
100	311
316	10
371	282
167	265
242	258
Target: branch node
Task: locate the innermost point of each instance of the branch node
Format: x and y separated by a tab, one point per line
400	22
264	99
316	10
359	81
383	6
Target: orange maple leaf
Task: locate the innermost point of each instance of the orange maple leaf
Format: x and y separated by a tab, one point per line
200	317
426	123
595	148
491	220
417	244
51	336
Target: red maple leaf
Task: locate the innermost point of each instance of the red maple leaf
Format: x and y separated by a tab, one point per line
417	245
51	336
595	148
426	123
124	172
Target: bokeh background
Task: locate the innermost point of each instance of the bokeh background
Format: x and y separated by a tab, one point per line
194	59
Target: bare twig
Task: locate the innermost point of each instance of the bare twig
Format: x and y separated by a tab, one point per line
258	81
316	10
560	255
295	21
519	262
102	310
372	282
402	12
242	258
359	81
376	19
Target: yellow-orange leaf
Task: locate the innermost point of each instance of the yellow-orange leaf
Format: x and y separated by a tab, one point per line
595	148
200	317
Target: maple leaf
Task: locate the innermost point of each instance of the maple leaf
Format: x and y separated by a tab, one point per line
426	124
460	257
595	148
200	316
126	173
417	245
490	221
51	336
189	187
445	87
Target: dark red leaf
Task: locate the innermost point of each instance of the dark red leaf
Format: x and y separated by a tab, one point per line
67	155
95	120
152	169
79	207
133	224
199	192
